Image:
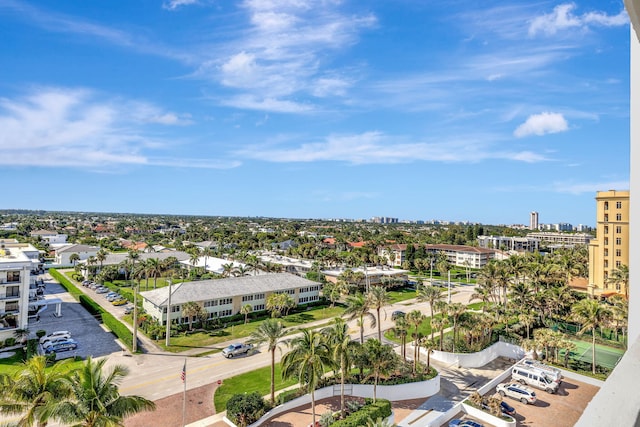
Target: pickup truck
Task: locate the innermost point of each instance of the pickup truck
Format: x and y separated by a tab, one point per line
236	350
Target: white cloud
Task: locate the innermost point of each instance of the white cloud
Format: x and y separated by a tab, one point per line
541	124
275	105
62	127
378	148
175	4
563	18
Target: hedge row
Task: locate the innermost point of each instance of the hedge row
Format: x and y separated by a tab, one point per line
117	327
372	411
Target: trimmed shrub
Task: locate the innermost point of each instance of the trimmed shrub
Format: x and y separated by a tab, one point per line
121	331
244	409
380	409
10	341
40	333
32	348
288	395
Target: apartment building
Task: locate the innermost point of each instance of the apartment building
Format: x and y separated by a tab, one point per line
225	297
561	239
534	220
610	249
457	255
509	243
17	275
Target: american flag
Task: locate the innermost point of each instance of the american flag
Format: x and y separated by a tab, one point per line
183	374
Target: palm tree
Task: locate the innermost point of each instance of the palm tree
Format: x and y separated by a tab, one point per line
74	258
401	329
33	390
189	310
454	311
415	317
592	315
21	334
154	269
245	310
101	256
440	323
133	257
382	360
378	297
342	348
620	278
358	308
95	400
307	361
270	331
433	294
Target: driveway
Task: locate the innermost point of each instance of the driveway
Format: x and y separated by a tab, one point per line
92	339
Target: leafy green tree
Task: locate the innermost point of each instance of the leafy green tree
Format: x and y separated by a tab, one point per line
33	391
271	332
415	318
401	329
74	258
95	400
245	408
309	357
620	279
190	310
245	310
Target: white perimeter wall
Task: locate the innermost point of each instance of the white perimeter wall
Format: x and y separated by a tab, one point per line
481	358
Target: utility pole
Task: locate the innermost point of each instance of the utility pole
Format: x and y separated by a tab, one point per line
168	337
134	345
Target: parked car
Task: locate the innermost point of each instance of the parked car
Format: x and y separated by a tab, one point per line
236	350
112	298
128	310
552	372
119	301
457	422
517	391
61	346
507	409
396	314
55	334
535	377
51	341
102	290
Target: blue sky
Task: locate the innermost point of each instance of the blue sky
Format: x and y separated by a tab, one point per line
413	109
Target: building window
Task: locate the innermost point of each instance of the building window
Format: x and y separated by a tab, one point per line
225	301
211	303
258	307
606	217
618	263
618	240
606	205
13	276
619	217
618	252
618	229
606	241
175	308
259	296
13	291
224	313
11	306
606	229
247	298
606	263
606	252
619	205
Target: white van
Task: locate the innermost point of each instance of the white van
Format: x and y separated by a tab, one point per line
554	373
534	377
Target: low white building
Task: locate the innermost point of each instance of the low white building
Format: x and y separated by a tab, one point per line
225	297
50	236
63	254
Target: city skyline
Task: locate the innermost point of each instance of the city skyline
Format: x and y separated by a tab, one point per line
334	109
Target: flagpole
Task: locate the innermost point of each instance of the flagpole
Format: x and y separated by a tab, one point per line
184	391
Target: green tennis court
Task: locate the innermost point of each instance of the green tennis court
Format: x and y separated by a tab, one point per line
607	357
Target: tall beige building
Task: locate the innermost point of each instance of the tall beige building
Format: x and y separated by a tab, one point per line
610	248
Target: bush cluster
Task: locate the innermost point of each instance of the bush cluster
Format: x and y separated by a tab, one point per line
370	411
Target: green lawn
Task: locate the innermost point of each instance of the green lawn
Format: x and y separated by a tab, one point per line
13	364
258	380
210	340
403	294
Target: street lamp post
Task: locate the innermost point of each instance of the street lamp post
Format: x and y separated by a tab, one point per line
134	344
449	285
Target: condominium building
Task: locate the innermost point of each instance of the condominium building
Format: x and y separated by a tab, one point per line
533	220
561	239
509	243
610	249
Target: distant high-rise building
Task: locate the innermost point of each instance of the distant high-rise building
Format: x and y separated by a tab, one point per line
533	221
610	249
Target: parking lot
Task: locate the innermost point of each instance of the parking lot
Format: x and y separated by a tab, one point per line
92	339
562	409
